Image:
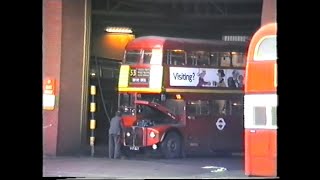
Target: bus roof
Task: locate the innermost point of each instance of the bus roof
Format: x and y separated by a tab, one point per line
156	42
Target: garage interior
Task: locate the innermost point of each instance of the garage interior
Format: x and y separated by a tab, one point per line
78	53
203	19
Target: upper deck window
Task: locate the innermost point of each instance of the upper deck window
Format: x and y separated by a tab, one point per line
201	58
266	49
176	57
191	58
238	59
133	57
214	59
225	59
204	59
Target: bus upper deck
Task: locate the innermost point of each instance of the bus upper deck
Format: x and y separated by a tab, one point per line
186	52
157	64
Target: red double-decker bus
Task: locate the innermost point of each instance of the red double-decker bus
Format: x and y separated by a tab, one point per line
261	103
182	96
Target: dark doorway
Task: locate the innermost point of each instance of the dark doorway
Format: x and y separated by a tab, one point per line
104	75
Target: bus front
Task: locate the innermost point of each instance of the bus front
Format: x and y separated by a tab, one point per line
140	87
140	73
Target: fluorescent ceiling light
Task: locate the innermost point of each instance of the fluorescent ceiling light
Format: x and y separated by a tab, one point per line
118	30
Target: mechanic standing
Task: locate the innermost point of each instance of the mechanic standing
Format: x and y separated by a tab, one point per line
115	131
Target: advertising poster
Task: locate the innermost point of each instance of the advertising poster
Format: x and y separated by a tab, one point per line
206	77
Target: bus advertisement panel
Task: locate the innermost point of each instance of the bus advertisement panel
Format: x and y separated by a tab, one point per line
206	77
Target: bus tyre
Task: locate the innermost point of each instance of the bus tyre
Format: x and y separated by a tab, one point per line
171	146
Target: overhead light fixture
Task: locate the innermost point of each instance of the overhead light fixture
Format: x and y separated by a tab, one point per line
118	30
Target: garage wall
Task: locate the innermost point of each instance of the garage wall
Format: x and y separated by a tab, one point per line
52	33
65	58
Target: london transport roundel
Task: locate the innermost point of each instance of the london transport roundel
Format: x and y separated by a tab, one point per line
220	124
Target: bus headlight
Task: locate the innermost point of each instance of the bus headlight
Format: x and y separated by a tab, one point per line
152	134
154	146
128	134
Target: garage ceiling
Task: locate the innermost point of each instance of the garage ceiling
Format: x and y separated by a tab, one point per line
179	18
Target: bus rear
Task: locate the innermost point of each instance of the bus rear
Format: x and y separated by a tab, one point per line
261	103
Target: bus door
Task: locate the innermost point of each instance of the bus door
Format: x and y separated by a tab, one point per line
227	126
198	125
261	135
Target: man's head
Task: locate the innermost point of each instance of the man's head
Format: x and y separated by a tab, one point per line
118	113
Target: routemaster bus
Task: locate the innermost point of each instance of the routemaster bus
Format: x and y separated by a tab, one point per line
261	103
182	96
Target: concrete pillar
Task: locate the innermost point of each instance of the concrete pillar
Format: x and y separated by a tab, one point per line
52	30
66	29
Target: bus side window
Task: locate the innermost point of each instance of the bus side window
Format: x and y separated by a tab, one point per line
225	59
260	115
177	57
214	107
204	108
202	58
222	107
189	58
237	108
238	59
274	115
228	107
191	108
168	57
173	106
198	108
214	59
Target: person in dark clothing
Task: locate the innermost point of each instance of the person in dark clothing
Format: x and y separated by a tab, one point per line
221	76
115	135
232	83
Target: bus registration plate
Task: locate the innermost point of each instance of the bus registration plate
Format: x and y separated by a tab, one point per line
135	148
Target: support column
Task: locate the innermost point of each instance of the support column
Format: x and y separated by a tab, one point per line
74	77
52	30
66	51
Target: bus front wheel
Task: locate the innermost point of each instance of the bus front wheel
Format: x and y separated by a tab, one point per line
171	146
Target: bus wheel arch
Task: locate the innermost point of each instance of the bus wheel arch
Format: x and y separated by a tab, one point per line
171	144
